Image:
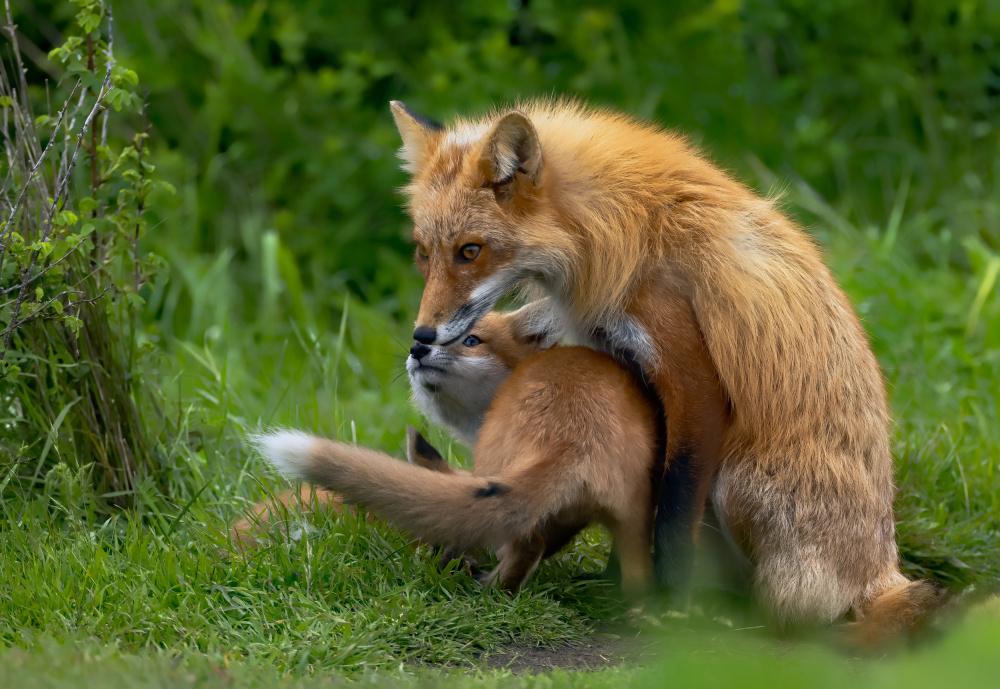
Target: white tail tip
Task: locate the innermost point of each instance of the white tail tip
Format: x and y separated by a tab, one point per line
288	451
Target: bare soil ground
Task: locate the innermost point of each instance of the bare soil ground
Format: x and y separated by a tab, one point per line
595	652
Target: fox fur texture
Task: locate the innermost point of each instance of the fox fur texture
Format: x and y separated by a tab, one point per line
774	401
569	439
453	386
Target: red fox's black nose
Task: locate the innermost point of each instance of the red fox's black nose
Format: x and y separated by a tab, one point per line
419	351
425	335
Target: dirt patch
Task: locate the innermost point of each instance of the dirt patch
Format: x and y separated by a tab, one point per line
593	653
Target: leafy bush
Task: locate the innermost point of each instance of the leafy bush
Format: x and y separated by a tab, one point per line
71	270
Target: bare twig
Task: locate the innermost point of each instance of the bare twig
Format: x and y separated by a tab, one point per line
92	273
12	32
95	176
140	198
110	57
89	300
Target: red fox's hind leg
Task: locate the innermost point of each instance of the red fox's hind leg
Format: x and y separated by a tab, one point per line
697	417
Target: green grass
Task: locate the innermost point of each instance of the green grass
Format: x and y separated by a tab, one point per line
153	600
966	657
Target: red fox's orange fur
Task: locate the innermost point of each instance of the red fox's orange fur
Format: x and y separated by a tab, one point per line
653	254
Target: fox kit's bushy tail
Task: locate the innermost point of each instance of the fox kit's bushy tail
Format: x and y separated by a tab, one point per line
455	509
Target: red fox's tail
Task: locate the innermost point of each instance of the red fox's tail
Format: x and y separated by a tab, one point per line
901	609
454	509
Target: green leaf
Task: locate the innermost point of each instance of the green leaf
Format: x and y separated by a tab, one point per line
66	219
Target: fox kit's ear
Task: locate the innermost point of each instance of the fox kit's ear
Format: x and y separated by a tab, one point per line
512	147
415	130
537	324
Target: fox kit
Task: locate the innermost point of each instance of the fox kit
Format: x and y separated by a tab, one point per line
569	438
453	386
774	401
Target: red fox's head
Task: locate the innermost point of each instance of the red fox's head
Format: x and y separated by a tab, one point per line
455	384
476	197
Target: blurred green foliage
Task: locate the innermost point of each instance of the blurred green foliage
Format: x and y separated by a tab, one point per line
273	115
288	291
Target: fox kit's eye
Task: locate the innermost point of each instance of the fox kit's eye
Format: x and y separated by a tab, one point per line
422	252
471	341
469	252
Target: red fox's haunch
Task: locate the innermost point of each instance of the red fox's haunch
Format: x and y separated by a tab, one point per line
653	254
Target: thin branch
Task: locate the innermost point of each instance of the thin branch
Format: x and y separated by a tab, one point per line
95	175
97	267
10	329
143	133
12	31
110	58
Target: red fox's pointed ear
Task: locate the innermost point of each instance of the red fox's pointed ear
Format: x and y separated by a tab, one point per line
512	147
416	130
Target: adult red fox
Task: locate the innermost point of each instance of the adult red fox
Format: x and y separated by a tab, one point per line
569	438
653	254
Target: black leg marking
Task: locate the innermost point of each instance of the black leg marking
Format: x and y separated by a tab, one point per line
673	532
426	450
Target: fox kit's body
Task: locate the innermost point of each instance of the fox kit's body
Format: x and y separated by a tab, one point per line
570	438
656	256
454	386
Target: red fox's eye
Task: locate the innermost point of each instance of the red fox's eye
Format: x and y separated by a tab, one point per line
469	252
422	251
471	341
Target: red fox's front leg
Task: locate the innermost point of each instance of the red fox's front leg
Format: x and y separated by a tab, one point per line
697	417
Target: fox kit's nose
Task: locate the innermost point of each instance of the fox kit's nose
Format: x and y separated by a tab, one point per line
419	351
425	335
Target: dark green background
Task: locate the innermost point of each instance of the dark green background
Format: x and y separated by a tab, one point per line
274	116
